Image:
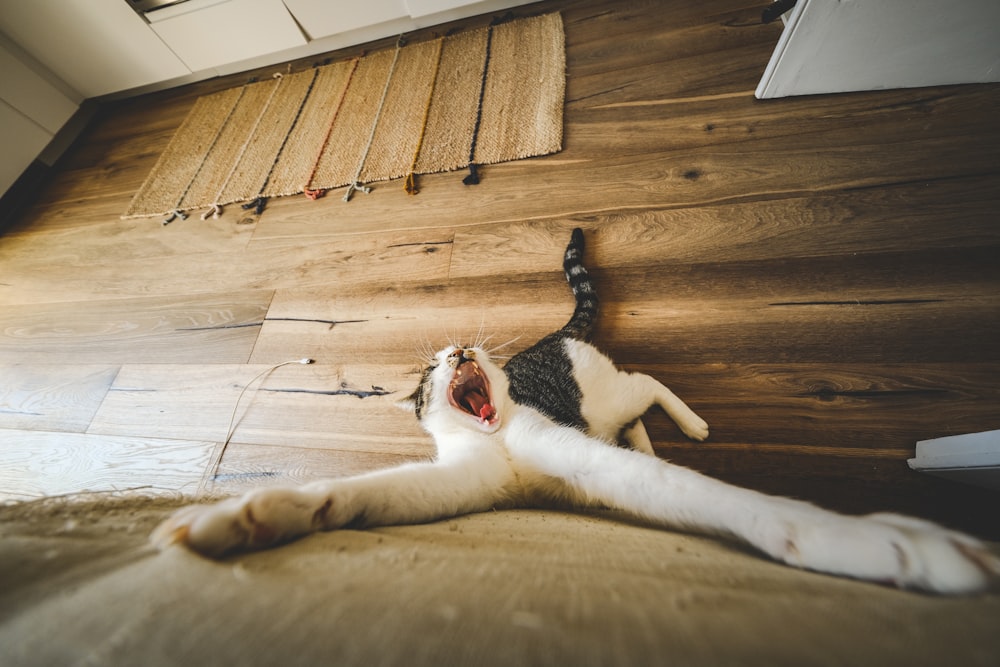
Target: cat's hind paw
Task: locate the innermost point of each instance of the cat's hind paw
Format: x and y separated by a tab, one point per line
897	550
694	427
933	558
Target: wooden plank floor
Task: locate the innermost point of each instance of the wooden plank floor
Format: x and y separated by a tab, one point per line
818	277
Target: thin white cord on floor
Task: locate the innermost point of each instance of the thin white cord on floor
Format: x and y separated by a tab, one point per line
232	418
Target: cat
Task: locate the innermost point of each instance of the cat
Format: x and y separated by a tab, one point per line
560	425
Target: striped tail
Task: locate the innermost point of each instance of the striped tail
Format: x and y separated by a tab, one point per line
581	325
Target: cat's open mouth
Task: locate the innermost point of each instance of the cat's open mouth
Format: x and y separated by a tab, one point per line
469	391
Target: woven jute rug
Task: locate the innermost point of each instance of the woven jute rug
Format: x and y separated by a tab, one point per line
480	97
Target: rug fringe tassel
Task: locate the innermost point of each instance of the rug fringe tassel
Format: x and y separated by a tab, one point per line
176	213
355	187
411	184
318	193
473	177
213	212
257	205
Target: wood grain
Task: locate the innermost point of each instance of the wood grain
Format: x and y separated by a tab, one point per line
320	405
39	463
894	218
817	276
173	271
252	466
408	320
56	397
852	410
211	328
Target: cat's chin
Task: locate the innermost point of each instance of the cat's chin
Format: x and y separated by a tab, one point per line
484	426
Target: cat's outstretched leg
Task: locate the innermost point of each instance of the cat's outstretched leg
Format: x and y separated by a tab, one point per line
262	518
909	553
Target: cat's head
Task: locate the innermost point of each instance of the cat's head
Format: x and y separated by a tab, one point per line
460	389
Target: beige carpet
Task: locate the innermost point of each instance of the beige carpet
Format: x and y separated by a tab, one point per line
483	96
78	585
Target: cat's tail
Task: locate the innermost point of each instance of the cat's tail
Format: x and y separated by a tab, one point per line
581	325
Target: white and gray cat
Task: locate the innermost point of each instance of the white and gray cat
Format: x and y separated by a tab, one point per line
542	431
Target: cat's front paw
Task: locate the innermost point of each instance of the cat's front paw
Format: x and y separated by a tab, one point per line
893	549
258	520
212	530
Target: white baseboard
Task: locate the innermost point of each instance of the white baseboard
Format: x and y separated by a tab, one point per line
973	458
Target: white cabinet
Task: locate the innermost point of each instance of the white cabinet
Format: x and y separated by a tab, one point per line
832	46
420	8
335	25
95	46
32	110
29	92
22	141
207	34
321	18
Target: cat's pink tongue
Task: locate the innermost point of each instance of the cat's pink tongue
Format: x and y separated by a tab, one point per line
479	405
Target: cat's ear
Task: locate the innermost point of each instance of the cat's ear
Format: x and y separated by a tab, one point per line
415	401
409	403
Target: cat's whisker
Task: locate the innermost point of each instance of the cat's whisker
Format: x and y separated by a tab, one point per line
426	351
502	346
478	341
481	344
